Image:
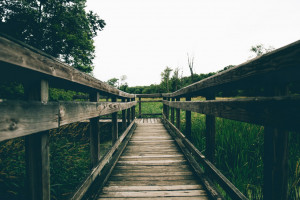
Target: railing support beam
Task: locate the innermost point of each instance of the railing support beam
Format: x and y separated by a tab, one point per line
114	123
188	122
94	134
172	112
178	115
210	122
140	107
128	114
123	117
37	149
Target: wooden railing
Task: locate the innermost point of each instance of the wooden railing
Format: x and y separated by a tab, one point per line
278	110
148	96
35	115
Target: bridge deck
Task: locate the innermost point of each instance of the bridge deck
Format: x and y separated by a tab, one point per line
152	166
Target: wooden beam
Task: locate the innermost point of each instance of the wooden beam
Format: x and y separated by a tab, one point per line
178	114
128	113
157	95
124	117
280	112
98	169
37	63
114	123
140	107
20	118
94	134
37	149
210	122
172	113
188	121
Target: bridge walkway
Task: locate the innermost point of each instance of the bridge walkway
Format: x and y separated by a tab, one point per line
152	166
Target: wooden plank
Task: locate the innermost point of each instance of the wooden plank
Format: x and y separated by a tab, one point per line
172	113
114	125
94	134
151	178
157	95
178	115
282	64
19	118
36	62
210	122
37	149
161	198
148	174
153	182
231	190
140	107
184	193
280	112
124	124
188	122
153	188
96	170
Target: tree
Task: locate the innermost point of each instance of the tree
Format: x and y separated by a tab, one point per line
113	82
260	49
191	66
165	78
175	80
61	28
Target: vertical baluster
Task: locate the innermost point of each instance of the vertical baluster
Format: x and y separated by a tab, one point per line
178	115
172	112
276	158
210	122
37	149
132	110
140	107
114	123
168	110
188	122
128	113
94	133
123	117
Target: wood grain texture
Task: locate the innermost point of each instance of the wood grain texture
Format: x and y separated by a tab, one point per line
26	57
152	166
281	64
281	112
20	118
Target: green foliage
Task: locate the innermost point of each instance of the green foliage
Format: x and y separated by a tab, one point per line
61	28
113	82
11	90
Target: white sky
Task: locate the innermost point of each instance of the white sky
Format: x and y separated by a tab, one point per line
142	37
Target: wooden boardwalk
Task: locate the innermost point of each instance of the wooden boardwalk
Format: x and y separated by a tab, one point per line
152	167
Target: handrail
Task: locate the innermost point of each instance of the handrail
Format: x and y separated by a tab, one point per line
35	115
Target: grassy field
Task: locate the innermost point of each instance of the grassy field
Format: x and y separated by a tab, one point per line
239	151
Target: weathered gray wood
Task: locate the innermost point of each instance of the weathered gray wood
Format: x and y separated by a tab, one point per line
149	95
96	170
172	113
210	122
188	122
26	57
140	107
276	156
231	190
283	63
128	111
152	188
94	134
114	125
37	149
178	115
281	112
19	118
124	124
162	198
133	110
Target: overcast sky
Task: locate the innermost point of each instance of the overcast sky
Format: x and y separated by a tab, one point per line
142	37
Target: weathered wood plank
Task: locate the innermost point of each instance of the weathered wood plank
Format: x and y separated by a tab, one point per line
26	57
162	198
281	112
153	188
20	118
184	193
153	182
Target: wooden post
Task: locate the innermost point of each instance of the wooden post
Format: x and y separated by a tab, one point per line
172	112
123	117
128	114
37	149
164	108
133	110
178	115
210	122
114	123
168	110
94	134
188	122
140	107
276	159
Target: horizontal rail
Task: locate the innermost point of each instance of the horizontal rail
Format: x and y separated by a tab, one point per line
280	112
24	62
279	65
97	170
233	192
20	118
157	95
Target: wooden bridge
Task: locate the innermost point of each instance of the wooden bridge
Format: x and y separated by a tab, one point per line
151	158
